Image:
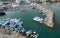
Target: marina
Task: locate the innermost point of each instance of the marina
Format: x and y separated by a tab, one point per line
29	20
24	17
14	26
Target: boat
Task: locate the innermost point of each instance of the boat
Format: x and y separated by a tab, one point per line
18	26
2	13
31	34
43	14
25	10
6	23
14	25
36	36
15	20
28	32
38	19
22	30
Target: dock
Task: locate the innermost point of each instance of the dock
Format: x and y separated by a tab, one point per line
48	21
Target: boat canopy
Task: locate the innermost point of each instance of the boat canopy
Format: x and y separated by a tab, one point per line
38	19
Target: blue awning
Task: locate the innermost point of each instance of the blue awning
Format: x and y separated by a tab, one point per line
16	26
8	23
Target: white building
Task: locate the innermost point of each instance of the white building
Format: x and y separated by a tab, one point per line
18	1
7	1
52	0
26	1
43	0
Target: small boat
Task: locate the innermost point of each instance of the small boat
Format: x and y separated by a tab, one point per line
17	26
28	32
33	34
7	19
43	14
36	36
2	13
40	20
6	23
15	20
26	10
22	30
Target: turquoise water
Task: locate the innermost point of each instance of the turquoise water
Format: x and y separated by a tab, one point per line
42	30
27	18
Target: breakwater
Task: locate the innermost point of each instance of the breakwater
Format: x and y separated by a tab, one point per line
49	14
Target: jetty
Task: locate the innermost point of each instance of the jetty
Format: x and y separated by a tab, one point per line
49	19
48	13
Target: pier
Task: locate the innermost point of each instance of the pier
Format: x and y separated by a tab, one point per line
49	19
49	15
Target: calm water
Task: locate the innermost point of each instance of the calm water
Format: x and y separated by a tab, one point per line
42	30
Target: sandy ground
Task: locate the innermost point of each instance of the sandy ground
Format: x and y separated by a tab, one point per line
2	35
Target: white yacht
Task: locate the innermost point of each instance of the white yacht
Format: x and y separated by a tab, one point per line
40	20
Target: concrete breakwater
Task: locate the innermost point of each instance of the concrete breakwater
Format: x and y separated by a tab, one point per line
49	19
49	14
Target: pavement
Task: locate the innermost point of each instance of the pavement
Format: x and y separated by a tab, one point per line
12	35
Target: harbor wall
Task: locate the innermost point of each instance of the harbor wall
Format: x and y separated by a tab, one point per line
49	15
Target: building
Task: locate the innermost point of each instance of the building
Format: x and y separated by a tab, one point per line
57	0
47	0
7	1
22	1
44	0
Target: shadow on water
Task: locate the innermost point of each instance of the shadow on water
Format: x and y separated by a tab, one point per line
56	23
56	9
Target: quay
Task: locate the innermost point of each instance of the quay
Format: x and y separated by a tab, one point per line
49	19
49	14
